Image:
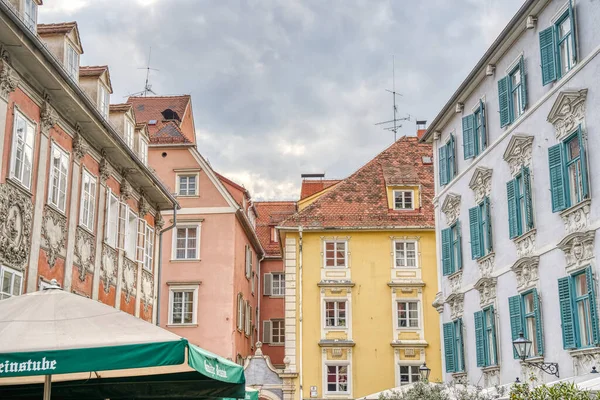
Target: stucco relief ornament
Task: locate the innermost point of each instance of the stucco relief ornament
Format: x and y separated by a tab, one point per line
584	360
129	279
578	248
568	112
8	79
491	377
526	271
455	281
48	117
525	244
16	217
487	290
54	239
104	169
143	206
438	302
577	218
108	268
518	152
456	301
147	290
451	207
79	146
84	252
481	183
486	265
159	222
126	190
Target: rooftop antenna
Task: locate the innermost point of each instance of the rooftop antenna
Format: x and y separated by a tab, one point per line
396	120
147	85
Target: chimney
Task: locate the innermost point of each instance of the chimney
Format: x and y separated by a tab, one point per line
421	128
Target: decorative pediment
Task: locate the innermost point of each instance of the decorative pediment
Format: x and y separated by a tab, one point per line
518	152
525	243
578	248
487	290
567	112
456	301
577	218
481	183
486	265
455	281
526	271
451	207
54	235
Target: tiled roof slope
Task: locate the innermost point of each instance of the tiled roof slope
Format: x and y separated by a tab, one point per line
310	187
360	201
271	213
164	131
120	107
61	27
92	70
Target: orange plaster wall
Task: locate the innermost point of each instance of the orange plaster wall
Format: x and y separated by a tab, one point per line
80	287
128	307
107	298
57	272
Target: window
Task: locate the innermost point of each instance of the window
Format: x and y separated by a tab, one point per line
129	133
485	337
141	241
520	205
408	314
143	150
72	62
240	312
525	316
335	314
409	374
558	47
278	332
474	132
12	282
187	243
447	162
149	248
104	98
88	200
22	150
335	254
481	229
248	319
454	346
112	219
568	172
512	94
578	310
57	185
337	379
183	305
187	185
249	257
405	254
451	249
131	234
274	236
403	200
278	284
30	14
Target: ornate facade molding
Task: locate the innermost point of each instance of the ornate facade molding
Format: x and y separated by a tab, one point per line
451	207
481	183
108	267
159	222
567	112
84	252
585	359
487	290
105	170
491	376
579	249
147	290
577	218
518	152
456	301
9	80
438	302
526	271
486	265
143	206
54	238
48	117
129	279
16	219
525	243
79	146
126	190
455	281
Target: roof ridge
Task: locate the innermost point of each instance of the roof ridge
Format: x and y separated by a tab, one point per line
160	97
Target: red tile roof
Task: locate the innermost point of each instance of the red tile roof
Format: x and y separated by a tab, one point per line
310	187
121	107
270	214
60	27
163	131
360	200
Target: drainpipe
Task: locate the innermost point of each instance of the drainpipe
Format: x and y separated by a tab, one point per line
159	271
259	294
300	309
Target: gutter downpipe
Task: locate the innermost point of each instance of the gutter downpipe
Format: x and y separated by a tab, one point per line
259	294
300	311
159	272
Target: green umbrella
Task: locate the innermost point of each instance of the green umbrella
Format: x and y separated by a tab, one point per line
60	334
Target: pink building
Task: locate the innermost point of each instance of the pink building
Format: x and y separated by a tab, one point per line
209	279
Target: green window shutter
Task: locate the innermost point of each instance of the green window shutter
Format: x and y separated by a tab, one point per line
479	339
494	342
538	323
447	251
449	346
591	284
459	249
442	165
566	312
488	230
468	136
451	156
573	31
483	124
548	56
516	318
523	83
511	198
557	178
584	173
503	101
474	224
528	198
460	352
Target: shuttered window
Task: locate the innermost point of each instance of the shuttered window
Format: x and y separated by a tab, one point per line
558	47
453	346
485	337
512	94
525	316
447	162
451	249
520	204
481	229
474	132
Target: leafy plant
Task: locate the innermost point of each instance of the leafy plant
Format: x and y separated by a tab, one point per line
422	391
559	391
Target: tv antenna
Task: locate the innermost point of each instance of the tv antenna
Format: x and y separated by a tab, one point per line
147	85
395	122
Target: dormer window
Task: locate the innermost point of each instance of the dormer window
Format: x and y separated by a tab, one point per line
72	62
403	200
30	14
128	133
143	149
104	100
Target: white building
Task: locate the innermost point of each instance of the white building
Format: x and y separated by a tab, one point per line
518	199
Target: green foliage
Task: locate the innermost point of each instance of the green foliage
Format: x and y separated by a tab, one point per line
559	391
438	391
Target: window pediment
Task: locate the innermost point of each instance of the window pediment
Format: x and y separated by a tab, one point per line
481	183
579	249
451	207
456	301
518	152
567	112
487	290
526	270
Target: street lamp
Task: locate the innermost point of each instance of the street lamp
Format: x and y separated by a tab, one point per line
522	348
424	372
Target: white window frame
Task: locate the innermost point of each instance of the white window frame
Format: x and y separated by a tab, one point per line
410	366
122	226
346	254
248	318
336	327
143	149
4	269
241	305
404	191
281	287
131	237
408	319
30	14
140	250
183	288
62	178
348	378
111	228
26	149
72	62
103	100
174	243
128	133
249	258
149	249
187	175
87	221
279	321
416	243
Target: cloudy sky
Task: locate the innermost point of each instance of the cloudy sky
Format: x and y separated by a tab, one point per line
284	87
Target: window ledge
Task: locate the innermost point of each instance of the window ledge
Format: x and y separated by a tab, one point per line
576	218
488	256
407	283
277	296
188	196
409	343
179	260
584	351
182	325
336	283
276	344
58	210
460	377
535	359
336	343
16	183
491	368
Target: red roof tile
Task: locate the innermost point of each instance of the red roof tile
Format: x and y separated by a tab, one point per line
310	187
164	130
270	214
360	200
60	27
121	107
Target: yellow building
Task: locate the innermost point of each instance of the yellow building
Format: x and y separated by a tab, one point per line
360	275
